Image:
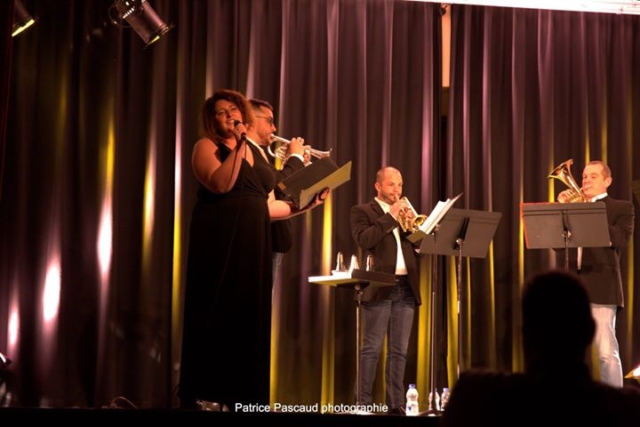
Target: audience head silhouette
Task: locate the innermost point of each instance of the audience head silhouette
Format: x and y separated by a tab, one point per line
556	319
557	330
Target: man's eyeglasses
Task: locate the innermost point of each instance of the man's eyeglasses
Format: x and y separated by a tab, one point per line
268	119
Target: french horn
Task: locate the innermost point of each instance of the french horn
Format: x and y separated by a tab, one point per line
563	173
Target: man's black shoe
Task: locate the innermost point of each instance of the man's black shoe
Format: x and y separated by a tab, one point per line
397	411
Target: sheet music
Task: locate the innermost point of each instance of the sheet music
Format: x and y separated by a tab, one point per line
436	215
434	218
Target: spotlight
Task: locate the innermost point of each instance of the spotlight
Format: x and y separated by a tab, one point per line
21	19
143	19
4	361
634	373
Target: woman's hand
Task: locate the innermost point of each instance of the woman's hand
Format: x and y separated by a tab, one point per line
322	196
318	200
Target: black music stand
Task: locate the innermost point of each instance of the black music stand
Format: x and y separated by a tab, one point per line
433	229
635	188
565	225
357	280
463	233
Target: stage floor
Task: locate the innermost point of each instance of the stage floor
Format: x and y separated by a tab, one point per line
111	416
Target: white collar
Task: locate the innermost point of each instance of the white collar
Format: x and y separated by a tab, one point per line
386	207
599	197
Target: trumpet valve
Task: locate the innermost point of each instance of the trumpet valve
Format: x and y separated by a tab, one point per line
281	152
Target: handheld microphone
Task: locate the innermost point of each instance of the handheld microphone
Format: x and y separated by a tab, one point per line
243	136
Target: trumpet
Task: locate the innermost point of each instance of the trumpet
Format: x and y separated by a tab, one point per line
281	151
563	173
409	219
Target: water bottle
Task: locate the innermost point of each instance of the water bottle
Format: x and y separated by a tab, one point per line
412	401
434	401
369	264
340	263
355	264
444	399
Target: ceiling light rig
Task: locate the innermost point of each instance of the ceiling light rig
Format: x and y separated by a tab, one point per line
140	16
21	19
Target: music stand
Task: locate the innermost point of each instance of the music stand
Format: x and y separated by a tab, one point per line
357	280
635	188
463	233
565	225
443	209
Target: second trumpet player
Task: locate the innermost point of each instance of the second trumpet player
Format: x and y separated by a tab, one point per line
387	311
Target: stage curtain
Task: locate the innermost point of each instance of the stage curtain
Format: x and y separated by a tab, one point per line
99	188
531	89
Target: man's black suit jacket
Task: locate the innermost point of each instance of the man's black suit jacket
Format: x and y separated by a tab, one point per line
600	269
372	230
281	237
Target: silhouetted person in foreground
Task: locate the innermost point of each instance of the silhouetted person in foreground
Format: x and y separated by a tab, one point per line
556	387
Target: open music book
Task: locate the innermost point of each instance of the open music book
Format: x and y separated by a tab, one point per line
303	185
434	218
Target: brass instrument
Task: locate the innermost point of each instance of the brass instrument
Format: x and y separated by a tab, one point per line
409	219
281	151
563	173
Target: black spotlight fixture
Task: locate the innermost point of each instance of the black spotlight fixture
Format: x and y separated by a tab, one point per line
143	19
4	361
21	19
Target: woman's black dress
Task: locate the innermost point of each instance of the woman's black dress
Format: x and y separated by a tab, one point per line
227	311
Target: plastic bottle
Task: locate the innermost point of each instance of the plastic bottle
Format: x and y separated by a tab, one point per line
412	408
434	402
340	263
444	399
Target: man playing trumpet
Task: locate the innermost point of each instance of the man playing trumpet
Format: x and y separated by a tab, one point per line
387	311
260	133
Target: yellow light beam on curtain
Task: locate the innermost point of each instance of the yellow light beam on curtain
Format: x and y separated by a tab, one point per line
424	332
453	322
631	332
327	394
176	288
149	205
517	358
493	356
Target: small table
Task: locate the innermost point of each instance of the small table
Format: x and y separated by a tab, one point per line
357	280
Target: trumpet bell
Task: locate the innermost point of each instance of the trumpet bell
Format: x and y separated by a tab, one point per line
418	221
409	219
562	172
